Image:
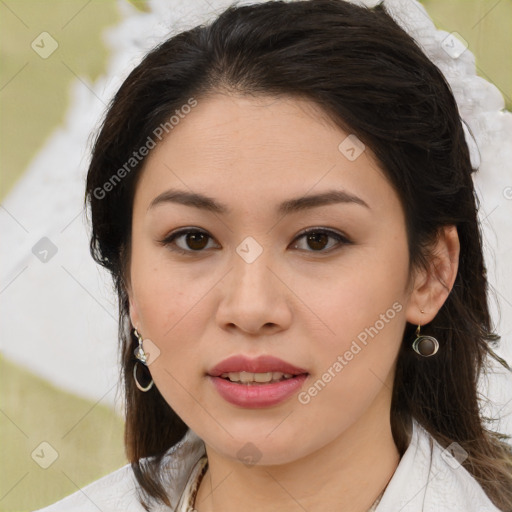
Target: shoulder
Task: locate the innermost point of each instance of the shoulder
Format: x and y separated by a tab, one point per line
115	491
453	486
119	490
430	478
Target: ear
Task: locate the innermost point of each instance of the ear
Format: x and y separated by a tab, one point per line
432	286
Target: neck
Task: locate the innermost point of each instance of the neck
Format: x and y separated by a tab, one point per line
347	474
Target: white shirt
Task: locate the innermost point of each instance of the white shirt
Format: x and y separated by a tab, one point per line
427	479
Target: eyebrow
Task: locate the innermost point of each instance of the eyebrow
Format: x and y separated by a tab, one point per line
204	202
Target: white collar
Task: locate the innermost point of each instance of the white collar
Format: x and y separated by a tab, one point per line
430	479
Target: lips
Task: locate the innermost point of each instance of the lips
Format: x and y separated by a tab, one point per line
262	364
256	394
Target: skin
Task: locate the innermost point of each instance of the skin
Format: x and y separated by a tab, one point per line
298	301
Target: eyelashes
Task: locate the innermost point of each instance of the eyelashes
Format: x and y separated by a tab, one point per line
169	241
196	237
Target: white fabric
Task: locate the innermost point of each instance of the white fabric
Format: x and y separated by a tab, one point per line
481	104
427	479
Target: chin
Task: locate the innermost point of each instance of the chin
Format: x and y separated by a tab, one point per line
256	447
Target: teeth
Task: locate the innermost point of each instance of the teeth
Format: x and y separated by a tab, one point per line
248	377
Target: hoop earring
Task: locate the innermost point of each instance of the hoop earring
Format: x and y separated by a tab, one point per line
425	346
141	356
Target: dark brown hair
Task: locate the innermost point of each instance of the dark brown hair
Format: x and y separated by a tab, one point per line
371	79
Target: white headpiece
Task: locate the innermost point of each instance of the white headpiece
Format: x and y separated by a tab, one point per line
480	102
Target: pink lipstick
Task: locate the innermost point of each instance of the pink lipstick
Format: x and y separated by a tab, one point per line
256	383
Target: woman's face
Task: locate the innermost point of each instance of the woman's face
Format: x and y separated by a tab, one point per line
247	282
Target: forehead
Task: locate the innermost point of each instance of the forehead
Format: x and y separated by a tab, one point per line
244	124
272	148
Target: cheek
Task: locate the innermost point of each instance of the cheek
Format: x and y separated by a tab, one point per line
354	366
361	298
175	304
163	291
362	312
170	306
166	299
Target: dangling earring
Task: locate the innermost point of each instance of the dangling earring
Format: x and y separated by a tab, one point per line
141	356
425	346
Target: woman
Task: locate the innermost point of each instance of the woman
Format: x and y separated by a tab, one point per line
284	199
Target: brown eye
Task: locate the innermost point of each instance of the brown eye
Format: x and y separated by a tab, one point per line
193	240
196	240
318	239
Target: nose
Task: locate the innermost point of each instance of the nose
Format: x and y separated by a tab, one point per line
254	297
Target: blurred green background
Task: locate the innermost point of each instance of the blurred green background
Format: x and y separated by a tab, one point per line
34	97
